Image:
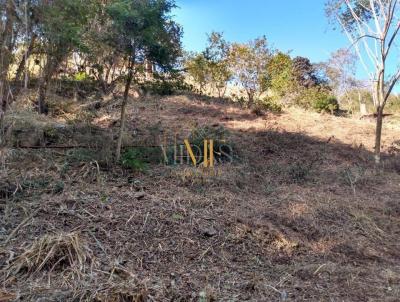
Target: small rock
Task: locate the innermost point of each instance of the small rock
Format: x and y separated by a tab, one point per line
70	204
209	232
140	195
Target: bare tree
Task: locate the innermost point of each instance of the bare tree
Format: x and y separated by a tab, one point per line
340	70
373	26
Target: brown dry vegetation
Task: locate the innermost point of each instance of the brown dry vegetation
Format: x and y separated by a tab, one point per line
300	215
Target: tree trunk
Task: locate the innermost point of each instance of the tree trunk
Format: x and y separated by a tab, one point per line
219	93
123	114
22	64
42	89
2	115
379	94
378	135
50	67
224	90
23	68
10	14
250	96
148	66
105	78
6	45
201	88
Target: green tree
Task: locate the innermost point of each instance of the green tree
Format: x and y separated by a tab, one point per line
305	73
248	64
280	74
143	29
62	25
211	67
102	55
197	67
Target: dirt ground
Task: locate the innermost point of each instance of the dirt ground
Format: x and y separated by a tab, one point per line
301	214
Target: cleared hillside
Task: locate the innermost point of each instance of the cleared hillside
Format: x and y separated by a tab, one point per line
300	214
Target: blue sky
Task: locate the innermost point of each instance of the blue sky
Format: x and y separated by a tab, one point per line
297	25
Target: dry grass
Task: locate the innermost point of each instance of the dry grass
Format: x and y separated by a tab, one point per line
300	215
113	292
53	253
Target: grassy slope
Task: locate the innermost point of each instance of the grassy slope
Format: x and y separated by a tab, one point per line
301	214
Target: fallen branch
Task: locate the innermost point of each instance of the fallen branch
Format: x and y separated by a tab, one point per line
374	115
80	146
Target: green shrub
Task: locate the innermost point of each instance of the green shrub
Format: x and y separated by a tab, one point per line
326	104
393	105
80	83
269	105
317	98
351	101
166	86
133	159
82	76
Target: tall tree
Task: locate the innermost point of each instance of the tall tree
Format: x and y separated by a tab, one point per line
143	29
340	70
305	73
28	40
373	27
280	74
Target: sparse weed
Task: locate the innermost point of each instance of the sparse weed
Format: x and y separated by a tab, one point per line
86	155
352	176
299	171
